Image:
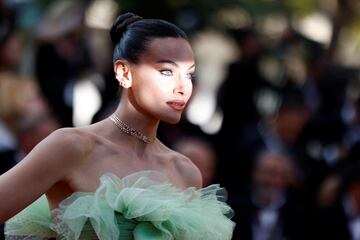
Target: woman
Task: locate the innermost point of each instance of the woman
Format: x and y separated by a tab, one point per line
115	179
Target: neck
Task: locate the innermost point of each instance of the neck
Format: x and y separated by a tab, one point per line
136	119
126	128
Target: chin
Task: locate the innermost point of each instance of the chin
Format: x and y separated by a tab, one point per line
172	119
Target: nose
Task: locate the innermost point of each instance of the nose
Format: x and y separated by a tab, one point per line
183	86
179	91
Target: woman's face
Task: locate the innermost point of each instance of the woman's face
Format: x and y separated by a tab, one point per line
162	80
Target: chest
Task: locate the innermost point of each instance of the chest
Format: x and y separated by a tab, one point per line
85	175
86	178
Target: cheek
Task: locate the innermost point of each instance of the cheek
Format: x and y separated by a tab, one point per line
149	95
190	88
144	85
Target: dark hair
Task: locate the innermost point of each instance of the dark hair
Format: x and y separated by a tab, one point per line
131	33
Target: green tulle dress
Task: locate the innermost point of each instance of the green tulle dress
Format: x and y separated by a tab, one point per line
141	206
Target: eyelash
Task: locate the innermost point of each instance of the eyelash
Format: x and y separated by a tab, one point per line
166	70
191	75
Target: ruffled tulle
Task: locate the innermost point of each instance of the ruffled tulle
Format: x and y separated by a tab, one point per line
141	206
34	222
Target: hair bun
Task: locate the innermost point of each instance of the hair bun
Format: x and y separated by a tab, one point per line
121	24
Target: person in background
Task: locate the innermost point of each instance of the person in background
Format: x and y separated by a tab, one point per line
271	208
62	57
338	200
10	57
19	100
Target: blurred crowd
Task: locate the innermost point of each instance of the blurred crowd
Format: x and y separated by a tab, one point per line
287	152
291	158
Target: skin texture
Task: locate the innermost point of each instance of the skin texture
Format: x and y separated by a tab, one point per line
73	159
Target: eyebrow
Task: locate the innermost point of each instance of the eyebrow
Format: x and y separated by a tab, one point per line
173	63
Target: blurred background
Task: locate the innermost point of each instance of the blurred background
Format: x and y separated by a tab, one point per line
275	113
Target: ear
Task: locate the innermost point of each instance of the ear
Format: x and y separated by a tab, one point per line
122	73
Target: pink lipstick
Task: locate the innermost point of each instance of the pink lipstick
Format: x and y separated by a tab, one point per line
176	105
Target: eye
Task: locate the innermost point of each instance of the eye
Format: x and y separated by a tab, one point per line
192	76
166	72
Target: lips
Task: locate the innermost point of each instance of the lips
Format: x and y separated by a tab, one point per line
176	105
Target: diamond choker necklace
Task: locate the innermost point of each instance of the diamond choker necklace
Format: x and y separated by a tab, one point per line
129	130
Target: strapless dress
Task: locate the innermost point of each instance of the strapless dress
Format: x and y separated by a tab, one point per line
141	206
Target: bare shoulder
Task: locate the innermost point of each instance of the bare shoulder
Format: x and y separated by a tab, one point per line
65	143
69	138
48	163
72	138
188	170
183	165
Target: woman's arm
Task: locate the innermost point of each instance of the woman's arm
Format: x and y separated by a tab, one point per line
48	163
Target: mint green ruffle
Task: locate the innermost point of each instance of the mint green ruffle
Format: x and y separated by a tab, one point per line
141	206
